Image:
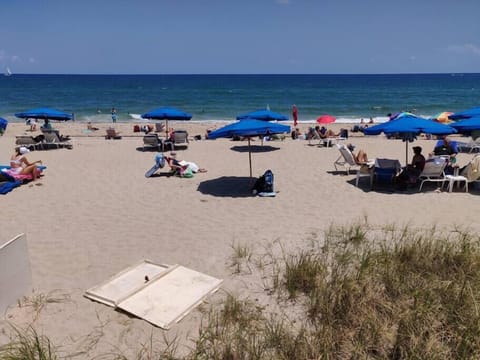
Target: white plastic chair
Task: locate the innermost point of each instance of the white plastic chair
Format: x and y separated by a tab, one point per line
434	171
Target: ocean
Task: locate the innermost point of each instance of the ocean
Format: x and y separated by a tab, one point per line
222	97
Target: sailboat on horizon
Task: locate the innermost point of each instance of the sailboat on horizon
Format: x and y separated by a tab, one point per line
7	72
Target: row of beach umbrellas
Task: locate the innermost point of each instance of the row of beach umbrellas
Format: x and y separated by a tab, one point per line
258	123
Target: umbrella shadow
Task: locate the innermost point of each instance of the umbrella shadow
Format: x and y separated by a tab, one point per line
254	148
228	186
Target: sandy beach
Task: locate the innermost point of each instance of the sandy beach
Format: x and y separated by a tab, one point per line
94	213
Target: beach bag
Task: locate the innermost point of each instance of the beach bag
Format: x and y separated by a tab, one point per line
268	183
187	173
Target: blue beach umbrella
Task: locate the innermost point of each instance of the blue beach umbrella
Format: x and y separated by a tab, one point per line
3	124
45	113
467	125
409	127
249	128
465	114
264	115
166	113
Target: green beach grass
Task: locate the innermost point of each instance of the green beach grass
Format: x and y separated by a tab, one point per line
357	292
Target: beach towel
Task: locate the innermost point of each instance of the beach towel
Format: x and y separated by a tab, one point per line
7	186
7	183
22	177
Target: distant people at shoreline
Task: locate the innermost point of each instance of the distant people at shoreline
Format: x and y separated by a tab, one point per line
114	115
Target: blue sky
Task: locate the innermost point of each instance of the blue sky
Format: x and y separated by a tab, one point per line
239	36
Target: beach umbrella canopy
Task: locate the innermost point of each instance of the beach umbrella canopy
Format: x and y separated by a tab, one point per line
166	113
3	124
473	112
45	113
248	128
326	119
443	117
465	114
401	114
467	125
408	127
264	115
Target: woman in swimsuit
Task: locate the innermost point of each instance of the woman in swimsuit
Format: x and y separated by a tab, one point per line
21	165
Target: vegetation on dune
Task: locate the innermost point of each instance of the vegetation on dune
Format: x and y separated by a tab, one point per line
356	292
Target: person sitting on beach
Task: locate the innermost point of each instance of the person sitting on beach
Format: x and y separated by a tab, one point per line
20	164
296	134
47	125
33	124
325	133
91	127
411	172
361	157
180	167
444	148
447	150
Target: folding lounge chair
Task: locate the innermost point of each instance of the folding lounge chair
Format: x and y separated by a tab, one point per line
434	171
347	161
152	140
179	137
469	174
52	140
112	134
25	140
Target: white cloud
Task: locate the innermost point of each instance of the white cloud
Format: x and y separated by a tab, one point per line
465	49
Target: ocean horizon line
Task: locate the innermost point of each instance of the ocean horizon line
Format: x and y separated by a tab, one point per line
252	74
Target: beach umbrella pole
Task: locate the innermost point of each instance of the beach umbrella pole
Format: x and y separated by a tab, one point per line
249	157
406	152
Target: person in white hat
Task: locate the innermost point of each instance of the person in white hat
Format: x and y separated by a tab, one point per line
20	164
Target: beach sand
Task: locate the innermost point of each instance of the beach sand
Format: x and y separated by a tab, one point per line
94	213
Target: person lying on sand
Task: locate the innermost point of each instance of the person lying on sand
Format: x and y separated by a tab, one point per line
180	167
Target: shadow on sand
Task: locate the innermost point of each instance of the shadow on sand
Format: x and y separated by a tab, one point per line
228	186
254	148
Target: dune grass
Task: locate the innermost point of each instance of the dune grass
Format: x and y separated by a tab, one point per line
356	292
28	345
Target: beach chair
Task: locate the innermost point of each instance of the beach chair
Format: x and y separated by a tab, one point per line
347	161
152	140
25	140
469	174
179	137
385	170
112	134
52	140
472	146
434	171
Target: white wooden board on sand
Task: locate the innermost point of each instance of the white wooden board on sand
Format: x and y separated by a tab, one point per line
15	272
167	296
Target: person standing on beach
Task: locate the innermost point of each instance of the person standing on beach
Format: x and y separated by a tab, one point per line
114	115
295	115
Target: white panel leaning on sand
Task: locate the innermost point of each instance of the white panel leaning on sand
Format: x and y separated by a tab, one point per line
15	273
160	294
